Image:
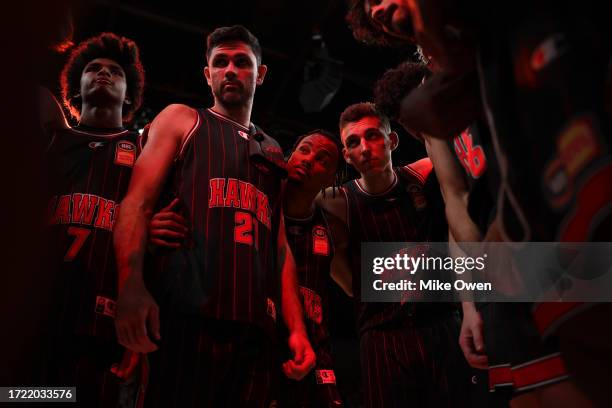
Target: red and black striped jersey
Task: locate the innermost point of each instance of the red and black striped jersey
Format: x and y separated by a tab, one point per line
232	201
410	210
312	246
89	175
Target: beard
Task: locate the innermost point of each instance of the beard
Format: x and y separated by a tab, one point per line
238	97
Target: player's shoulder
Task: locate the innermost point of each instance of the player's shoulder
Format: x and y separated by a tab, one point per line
332	201
175	121
178	111
420	169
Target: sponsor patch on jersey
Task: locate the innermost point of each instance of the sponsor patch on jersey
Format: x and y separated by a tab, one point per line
95	145
417	195
243	134
320	241
106	306
311	302
271	308
125	153
325	376
547	51
577	148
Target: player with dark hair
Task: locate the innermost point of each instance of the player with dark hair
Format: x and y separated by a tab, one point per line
400	343
210	306
314	236
547	97
90	168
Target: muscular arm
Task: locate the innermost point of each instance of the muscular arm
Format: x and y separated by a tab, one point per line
51	115
293	315
135	307
454	191
340	269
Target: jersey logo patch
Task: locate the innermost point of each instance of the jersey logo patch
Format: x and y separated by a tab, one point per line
470	155
243	134
95	145
320	241
271	308
125	153
106	306
417	195
577	147
325	376
311	302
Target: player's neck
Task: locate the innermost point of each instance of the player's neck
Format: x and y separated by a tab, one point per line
298	203
101	117
240	114
376	183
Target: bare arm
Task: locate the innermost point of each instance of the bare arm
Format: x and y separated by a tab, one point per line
135	306
340	269
293	314
454	191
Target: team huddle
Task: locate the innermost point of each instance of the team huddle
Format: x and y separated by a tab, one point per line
195	259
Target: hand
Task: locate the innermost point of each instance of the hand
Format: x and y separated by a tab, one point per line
471	339
167	227
126	367
303	357
442	106
137	312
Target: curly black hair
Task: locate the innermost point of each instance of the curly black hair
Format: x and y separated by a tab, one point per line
106	45
395	84
365	31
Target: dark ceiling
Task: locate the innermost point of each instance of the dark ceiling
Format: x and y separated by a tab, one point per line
171	36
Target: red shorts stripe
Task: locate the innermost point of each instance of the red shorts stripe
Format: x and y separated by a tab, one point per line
542	371
499	376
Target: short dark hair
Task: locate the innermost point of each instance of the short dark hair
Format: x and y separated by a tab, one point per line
106	45
238	33
341	168
361	110
395	84
365	31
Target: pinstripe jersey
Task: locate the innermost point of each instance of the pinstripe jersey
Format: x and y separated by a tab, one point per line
232	203
90	173
312	247
405	212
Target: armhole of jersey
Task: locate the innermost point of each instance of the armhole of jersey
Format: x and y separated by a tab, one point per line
189	136
422	176
50	144
346	201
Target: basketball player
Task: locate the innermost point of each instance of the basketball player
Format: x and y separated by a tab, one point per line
211	308
314	236
400	343
90	167
523	83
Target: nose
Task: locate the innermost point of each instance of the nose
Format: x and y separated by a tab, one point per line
307	161
104	70
230	70
365	147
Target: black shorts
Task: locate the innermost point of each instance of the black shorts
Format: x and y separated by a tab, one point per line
210	363
519	359
317	390
84	362
415	363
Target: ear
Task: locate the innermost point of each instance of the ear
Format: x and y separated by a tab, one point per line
394	138
207	75
127	101
345	154
261	74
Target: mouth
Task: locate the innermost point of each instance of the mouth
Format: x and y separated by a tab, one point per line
102	82
232	86
301	170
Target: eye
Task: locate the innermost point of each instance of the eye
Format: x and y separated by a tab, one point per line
220	62
117	71
373	135
243	62
92	67
303	149
351	142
